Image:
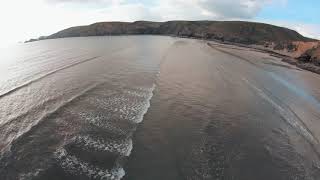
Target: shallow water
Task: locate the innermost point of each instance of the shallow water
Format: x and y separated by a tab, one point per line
70	106
154	107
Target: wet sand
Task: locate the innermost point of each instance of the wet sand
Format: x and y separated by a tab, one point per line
228	113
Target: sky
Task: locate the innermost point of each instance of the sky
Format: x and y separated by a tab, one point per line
24	19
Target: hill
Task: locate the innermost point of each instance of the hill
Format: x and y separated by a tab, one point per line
280	40
231	31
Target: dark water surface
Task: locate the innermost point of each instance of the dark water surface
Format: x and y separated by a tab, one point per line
153	107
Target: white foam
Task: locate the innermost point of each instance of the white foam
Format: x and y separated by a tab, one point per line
131	105
100	121
122	147
143	93
75	166
126	107
144	108
30	175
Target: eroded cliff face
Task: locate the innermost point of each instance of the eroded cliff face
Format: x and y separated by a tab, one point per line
292	49
312	55
305	55
303	47
315	53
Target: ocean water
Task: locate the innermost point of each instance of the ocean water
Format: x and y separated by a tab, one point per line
154	107
69	107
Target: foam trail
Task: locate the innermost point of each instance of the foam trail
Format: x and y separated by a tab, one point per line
97	121
75	166
45	75
139	118
131	105
286	113
30	175
123	147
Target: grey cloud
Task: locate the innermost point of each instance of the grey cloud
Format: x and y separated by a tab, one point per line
183	9
243	9
63	1
85	1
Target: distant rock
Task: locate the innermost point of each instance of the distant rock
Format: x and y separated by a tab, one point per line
40	38
31	40
305	58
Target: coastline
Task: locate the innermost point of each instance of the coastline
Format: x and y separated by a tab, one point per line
284	58
254	47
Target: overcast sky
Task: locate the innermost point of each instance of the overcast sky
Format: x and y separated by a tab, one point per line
24	19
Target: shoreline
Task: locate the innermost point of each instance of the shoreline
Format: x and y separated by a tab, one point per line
285	58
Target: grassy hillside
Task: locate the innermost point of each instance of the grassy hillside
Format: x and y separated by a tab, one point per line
231	31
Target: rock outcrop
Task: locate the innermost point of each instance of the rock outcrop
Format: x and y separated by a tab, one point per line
312	55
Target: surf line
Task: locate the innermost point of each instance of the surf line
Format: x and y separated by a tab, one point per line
44	76
24	129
